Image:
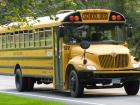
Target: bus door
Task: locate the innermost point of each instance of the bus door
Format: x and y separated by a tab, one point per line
58	67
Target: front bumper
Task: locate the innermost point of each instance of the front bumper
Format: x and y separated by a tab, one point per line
100	76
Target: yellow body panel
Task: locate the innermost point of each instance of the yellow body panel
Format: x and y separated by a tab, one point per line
92	55
28	59
6	71
26	53
38	72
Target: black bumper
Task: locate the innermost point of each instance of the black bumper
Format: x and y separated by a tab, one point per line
89	77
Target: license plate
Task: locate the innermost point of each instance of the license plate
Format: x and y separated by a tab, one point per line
116	81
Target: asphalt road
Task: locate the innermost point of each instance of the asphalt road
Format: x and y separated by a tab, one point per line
91	97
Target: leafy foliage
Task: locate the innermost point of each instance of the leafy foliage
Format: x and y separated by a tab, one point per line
17	10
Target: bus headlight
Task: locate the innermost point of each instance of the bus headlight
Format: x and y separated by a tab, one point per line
91	67
136	65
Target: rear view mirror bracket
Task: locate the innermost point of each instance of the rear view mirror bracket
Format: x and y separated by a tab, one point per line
61	31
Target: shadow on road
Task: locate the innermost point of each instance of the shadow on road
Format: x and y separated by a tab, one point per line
87	94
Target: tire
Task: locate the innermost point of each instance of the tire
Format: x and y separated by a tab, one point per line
23	83
131	87
76	88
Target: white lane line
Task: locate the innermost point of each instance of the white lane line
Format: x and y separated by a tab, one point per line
53	98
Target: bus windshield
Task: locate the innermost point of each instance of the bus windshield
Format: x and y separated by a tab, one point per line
95	33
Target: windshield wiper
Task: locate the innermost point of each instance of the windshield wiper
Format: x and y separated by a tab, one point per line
108	42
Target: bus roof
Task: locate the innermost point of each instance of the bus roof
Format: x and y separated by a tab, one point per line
84	16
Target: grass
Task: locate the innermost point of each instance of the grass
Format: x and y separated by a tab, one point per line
6	99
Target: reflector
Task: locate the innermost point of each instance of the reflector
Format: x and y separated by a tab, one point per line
71	18
76	18
114	18
119	17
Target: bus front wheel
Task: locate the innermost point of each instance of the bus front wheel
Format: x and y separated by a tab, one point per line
131	87
76	88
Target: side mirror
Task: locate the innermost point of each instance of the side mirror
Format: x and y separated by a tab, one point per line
85	45
129	31
61	31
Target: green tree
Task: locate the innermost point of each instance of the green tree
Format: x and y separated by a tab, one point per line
17	10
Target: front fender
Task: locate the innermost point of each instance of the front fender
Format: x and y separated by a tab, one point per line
77	62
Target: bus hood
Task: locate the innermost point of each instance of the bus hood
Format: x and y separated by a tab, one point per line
104	57
108	49
101	50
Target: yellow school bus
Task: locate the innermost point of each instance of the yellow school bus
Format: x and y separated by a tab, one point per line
73	50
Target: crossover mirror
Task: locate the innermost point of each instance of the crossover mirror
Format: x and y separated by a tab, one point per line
85	44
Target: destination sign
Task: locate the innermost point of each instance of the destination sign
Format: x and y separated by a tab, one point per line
95	16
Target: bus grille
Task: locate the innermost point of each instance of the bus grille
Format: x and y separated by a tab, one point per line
118	61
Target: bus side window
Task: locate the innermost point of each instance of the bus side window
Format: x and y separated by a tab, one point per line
0	41
41	37
26	38
21	39
36	38
16	39
7	40
3	41
48	37
31	38
12	45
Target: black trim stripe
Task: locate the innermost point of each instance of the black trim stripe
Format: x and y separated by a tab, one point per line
18	58
26	75
38	76
7	74
37	67
8	67
32	48
30	67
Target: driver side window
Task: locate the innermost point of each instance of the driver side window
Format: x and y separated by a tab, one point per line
74	35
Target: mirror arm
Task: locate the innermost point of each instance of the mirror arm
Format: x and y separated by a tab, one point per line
85	45
84	61
129	30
